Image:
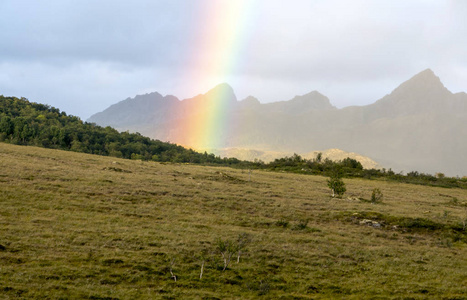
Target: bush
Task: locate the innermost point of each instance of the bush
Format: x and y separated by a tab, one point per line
282	223
302	224
376	196
337	185
420	224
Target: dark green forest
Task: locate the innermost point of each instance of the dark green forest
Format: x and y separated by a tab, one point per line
27	123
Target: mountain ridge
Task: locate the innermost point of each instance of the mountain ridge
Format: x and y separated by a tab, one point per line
407	129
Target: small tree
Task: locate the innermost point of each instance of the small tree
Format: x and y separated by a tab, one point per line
204	256
464	221
227	249
319	157
376	195
337	185
172	263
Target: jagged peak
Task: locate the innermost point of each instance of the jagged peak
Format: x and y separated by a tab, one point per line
249	102
426	80
250	99
313	95
223	90
426	72
426	76
171	98
422	92
222	87
153	94
314	98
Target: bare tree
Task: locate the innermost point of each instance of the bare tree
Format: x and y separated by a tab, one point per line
227	249
172	263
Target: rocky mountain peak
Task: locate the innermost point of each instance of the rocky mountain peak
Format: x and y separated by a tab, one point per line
425	81
250	102
421	93
313	100
222	91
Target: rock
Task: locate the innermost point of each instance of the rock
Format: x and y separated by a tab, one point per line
376	224
371	223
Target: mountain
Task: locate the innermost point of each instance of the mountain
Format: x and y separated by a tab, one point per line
419	126
135	111
422	93
301	104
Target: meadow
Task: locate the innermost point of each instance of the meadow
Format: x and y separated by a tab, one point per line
81	226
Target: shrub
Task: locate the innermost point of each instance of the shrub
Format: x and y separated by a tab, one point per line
227	249
282	223
420	223
337	185
376	195
302	224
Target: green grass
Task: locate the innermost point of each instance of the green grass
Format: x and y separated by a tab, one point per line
77	226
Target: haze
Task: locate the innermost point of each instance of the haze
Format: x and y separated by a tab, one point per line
82	56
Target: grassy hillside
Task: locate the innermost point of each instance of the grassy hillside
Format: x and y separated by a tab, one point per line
75	225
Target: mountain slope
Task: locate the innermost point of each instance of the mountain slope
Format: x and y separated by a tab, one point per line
422	93
134	111
420	125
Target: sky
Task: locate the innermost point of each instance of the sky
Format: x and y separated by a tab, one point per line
83	56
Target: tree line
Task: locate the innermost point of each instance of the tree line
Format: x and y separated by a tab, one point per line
27	123
351	168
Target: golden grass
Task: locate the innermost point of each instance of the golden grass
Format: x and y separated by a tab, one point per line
82	226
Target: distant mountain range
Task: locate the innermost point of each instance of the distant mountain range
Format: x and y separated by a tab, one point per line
419	126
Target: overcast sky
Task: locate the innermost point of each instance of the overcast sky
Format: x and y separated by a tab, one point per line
82	56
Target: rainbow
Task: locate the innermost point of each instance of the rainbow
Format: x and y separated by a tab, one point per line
221	35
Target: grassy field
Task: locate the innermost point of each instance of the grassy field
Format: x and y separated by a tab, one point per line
77	226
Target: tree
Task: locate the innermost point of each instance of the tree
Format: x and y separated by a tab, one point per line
337	185
319	157
226	249
376	196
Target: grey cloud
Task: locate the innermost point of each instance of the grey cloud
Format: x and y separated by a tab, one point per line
136	32
82	56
